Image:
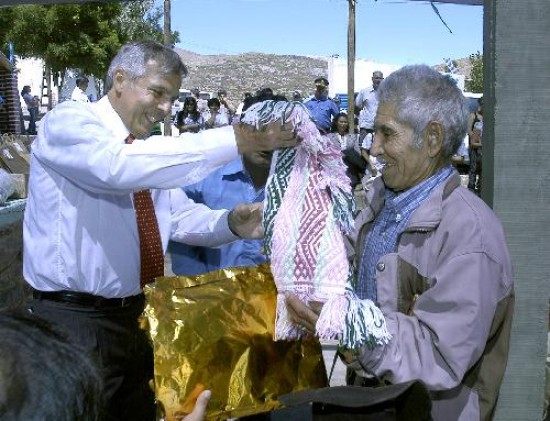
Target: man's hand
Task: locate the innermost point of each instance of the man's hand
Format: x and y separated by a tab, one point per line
200	407
269	137
245	220
302	314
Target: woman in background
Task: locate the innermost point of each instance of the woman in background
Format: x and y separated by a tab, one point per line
189	119
348	143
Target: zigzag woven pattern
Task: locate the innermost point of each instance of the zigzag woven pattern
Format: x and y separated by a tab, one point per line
284	159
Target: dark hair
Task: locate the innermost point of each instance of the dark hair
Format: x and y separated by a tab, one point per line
334	124
43	376
321	79
222	92
26	89
195	114
266	93
195	92
213	101
248	102
81	79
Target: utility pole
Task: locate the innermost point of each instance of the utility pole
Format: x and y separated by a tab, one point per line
351	65
167	42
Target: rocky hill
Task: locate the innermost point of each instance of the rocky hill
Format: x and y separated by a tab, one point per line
248	72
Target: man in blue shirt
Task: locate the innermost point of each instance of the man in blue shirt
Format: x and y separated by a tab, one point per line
240	181
321	107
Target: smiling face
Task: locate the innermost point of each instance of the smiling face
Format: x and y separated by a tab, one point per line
394	143
142	102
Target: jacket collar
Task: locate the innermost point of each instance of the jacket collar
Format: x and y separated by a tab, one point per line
426	217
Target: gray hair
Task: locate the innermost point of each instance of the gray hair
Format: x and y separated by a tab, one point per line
134	57
422	94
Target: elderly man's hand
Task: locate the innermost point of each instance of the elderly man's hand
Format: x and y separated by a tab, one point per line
245	220
269	137
302	314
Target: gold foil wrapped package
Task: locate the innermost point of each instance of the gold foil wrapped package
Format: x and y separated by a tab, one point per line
215	331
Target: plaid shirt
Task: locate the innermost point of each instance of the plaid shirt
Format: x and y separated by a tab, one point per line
388	225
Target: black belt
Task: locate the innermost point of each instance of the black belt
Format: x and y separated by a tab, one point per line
85	299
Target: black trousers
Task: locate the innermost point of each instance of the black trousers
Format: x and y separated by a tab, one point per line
123	351
474	175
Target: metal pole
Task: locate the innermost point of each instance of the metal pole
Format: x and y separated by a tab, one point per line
351	66
167	41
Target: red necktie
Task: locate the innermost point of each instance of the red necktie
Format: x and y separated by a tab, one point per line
150	245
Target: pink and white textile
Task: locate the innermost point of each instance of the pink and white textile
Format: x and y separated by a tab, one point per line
307	210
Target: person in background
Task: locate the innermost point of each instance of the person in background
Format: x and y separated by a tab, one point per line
246	97
240	181
214	117
337	101
321	107
297	96
459	159
201	103
103	203
431	254
356	165
366	103
189	119
226	105
475	136
266	93
79	92
32	102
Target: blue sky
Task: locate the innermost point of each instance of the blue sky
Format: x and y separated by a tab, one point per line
387	31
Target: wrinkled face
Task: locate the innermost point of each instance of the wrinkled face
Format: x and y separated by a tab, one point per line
144	101
342	124
406	165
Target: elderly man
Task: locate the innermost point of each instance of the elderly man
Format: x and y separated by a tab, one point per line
432	256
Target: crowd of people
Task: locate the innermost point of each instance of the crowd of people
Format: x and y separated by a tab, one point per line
106	200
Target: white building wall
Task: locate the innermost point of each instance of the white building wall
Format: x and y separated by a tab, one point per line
338	74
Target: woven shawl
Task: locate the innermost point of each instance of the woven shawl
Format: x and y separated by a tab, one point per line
307	210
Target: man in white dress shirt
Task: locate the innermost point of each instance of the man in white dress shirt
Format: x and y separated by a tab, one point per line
81	243
366	104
